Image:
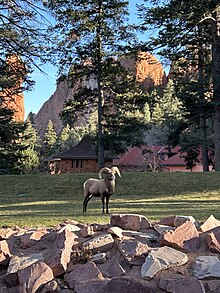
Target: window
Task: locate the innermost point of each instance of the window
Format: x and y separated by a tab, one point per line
77	164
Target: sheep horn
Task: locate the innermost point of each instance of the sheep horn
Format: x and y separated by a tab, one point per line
104	170
116	170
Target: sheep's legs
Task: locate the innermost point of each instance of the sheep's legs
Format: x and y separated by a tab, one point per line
85	202
103	204
107	201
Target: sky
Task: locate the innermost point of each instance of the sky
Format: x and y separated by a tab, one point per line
45	84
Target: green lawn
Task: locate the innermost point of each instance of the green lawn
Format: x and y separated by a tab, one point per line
46	200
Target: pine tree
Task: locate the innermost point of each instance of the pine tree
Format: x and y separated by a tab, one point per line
184	35
29	160
50	140
92	36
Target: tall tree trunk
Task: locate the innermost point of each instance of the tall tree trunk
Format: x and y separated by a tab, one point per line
202	120
101	150
216	86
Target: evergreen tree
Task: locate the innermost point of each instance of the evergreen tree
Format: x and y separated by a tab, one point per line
184	35
29	160
50	140
92	36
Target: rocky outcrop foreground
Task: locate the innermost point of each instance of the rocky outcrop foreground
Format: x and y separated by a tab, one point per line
130	254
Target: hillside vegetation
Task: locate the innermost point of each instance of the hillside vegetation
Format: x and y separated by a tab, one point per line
46	200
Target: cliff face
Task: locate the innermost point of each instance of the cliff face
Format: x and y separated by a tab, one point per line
147	68
13	96
51	108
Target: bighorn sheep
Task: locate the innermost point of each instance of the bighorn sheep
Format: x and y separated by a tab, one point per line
103	187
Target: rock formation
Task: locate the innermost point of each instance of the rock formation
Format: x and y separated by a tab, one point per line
52	107
147	68
13	96
110	258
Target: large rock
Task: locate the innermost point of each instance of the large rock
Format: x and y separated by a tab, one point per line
19	263
209	224
6	233
213	241
207	267
116	285
130	222
115	264
133	251
168	221
179	220
60	253
185	237
34	276
111	268
181	285
5	253
86	272
160	259
30	238
100	243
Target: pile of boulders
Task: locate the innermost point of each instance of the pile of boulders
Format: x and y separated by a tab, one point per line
176	254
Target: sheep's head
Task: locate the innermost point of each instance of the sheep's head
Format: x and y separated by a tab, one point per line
110	173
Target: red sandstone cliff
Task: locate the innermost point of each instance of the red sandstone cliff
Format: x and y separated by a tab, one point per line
14	98
147	68
52	107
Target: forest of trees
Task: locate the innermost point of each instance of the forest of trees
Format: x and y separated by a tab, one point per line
86	39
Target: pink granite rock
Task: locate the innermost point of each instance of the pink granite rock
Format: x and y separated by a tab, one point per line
116	231
185	236
5	233
30	238
59	255
100	243
5	253
86	272
168	221
209	224
213	242
133	251
33	276
19	263
130	222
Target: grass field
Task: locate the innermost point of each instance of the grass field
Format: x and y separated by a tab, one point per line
46	200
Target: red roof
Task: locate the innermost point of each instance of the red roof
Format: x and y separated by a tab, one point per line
176	160
144	154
